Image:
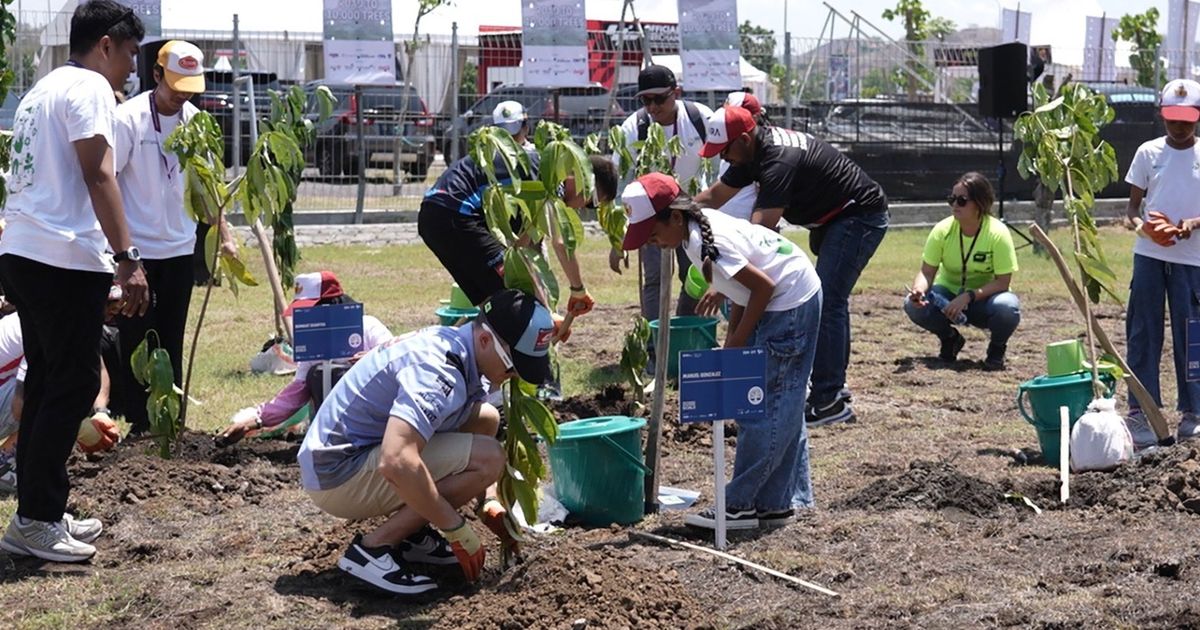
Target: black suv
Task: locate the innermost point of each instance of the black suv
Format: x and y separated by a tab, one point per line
217	100
336	151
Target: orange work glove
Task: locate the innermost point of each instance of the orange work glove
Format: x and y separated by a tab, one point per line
493	514
581	302
98	433
467	549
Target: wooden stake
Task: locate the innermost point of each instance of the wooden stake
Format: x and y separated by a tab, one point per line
1145	400
661	359
732	558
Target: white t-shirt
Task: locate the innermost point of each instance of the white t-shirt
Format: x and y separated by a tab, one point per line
1171	179
687	164
12	350
741	204
49	212
742	243
151	188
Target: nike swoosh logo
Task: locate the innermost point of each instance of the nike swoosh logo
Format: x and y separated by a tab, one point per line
386	567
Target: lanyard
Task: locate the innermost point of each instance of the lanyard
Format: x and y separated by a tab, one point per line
966	255
162	154
72	62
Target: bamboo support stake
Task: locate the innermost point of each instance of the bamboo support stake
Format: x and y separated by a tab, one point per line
1145	400
732	558
264	246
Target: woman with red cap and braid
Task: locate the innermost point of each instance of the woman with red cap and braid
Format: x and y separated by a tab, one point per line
776	297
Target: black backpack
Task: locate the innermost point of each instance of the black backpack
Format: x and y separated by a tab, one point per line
693	114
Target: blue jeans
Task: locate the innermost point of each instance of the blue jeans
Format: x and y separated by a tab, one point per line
771	470
1180	284
998	314
846	247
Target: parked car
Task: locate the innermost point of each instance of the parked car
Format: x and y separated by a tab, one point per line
217	100
336	151
579	109
8	110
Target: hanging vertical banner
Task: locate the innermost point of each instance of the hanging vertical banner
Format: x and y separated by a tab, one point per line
358	42
150	12
709	45
839	78
554	43
1014	26
1182	18
1099	49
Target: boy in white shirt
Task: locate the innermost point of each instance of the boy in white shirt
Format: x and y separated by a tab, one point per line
64	214
151	183
1166	262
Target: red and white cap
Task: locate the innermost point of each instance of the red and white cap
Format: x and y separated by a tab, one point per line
183	66
314	287
1181	100
746	101
724	126
643	199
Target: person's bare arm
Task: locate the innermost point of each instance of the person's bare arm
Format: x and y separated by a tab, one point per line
102	396
1133	210
400	463
96	163
762	288
716	195
921	283
767	217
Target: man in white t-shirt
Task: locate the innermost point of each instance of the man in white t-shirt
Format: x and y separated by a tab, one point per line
64	214
1166	261
151	183
662	103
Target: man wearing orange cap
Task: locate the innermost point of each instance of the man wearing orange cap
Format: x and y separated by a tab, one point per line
163	234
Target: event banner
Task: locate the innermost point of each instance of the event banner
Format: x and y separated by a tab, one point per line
1014	26
554	43
709	45
150	12
1182	17
359	47
1099	49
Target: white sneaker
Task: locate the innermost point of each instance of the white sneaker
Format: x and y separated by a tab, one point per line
41	539
734	520
85	530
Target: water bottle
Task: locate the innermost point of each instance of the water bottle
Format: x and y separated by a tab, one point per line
940	301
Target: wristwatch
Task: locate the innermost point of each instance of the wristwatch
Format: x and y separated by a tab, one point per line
130	254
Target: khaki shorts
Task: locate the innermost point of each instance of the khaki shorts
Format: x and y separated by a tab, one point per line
368	494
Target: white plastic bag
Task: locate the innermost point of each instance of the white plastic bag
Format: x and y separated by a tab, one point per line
1100	440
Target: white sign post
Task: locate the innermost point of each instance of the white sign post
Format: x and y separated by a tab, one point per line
718	438
554	43
359	46
709	45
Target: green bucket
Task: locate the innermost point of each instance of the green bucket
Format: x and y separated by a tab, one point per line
687	333
598	470
1046	394
695	285
449	316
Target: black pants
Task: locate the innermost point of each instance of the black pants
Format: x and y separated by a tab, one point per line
466	248
170	295
62	312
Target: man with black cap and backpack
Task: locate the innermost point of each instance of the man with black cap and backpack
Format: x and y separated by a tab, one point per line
661	100
407	434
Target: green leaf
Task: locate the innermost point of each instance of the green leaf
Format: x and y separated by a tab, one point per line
546	275
325	102
498	212
516	272
211	247
539	417
162	375
236	269
139	363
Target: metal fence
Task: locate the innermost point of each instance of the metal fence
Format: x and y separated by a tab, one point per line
906	111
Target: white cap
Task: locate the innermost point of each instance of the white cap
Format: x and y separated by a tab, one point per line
510	115
1180	100
183	66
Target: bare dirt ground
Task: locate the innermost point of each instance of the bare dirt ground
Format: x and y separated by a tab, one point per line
912	527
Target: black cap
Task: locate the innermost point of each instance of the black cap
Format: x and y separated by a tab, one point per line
655	80
526	327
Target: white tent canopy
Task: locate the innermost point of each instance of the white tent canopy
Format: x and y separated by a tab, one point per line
757	80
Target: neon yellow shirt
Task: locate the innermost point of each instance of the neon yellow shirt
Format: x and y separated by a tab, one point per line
992	255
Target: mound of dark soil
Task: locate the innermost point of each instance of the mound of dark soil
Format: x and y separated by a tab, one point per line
200	476
614	400
565	585
1162	480
928	486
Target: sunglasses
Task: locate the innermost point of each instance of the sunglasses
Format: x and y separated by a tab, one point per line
957	200
649	99
501	351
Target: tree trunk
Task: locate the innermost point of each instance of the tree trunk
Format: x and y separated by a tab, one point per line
1043	213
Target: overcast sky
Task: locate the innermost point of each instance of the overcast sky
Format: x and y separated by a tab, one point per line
1056	22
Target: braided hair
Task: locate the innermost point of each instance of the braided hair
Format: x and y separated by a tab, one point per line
692	213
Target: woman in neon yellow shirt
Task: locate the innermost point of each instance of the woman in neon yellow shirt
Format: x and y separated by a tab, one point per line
972	254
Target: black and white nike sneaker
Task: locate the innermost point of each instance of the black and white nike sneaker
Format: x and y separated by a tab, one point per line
378	567
427	547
